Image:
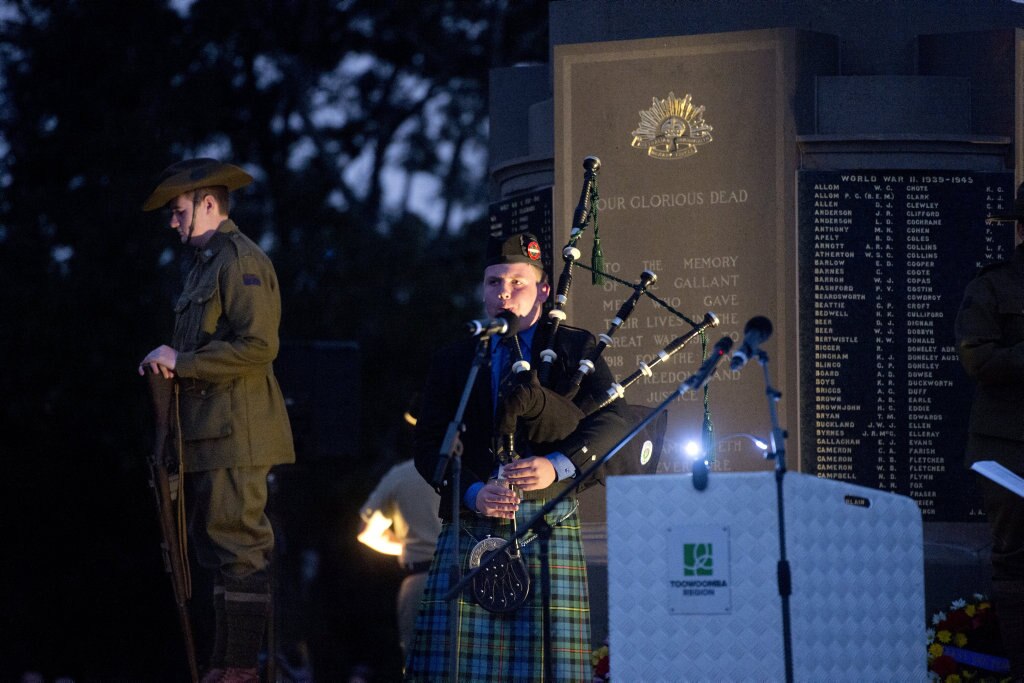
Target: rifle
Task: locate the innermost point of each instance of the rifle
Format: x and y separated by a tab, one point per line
161	462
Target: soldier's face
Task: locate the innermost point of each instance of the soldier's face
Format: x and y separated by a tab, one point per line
180	217
207	217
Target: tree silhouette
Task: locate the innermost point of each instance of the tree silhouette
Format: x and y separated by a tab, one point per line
365	125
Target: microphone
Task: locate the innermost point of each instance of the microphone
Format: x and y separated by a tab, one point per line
506	325
700	474
755	333
707	368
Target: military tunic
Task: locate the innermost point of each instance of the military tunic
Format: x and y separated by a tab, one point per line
990	340
226	334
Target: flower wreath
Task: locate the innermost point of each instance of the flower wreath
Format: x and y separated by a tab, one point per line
964	645
599	660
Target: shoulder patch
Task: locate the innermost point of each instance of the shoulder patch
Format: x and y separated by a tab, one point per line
251	279
243	245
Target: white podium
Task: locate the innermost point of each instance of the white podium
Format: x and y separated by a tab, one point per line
693	589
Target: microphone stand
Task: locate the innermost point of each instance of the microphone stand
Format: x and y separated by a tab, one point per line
777	452
451	450
544	530
539	525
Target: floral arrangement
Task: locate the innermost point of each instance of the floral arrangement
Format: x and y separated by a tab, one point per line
599	660
964	645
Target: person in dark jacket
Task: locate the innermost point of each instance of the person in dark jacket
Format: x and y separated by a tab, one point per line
233	425
990	340
494	645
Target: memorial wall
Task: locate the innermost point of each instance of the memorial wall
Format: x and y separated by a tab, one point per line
757	173
884	257
860	272
695	136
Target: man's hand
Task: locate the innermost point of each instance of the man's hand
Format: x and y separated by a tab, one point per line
497	500
162	359
530	474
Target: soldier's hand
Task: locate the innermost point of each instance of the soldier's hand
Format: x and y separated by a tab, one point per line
162	359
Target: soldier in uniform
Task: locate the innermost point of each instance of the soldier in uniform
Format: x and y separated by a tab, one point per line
232	426
990	340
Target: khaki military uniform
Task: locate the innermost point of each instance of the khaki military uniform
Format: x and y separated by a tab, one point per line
990	340
233	427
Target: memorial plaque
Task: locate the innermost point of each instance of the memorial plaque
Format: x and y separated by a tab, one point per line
525	212
884	258
696	140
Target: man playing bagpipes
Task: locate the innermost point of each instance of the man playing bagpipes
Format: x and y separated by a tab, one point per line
521	444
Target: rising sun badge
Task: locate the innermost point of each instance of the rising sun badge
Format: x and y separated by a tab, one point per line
672	128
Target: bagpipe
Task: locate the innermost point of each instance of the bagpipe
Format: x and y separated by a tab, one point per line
529	404
546	413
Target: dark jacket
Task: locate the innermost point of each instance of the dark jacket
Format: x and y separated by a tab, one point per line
594	436
226	334
990	340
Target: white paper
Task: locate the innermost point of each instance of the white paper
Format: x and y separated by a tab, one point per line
1000	475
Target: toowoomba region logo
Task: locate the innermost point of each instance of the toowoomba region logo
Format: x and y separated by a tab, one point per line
698	559
699	578
672	128
699	583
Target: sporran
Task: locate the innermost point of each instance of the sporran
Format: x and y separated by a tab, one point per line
504	584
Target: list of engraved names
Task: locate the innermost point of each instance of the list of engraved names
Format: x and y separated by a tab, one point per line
884	257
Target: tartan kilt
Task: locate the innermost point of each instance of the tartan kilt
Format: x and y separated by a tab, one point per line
507	647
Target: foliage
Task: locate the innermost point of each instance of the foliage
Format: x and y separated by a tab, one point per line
365	124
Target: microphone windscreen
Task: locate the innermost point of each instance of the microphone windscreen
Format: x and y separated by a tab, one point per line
700	474
513	324
759	326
